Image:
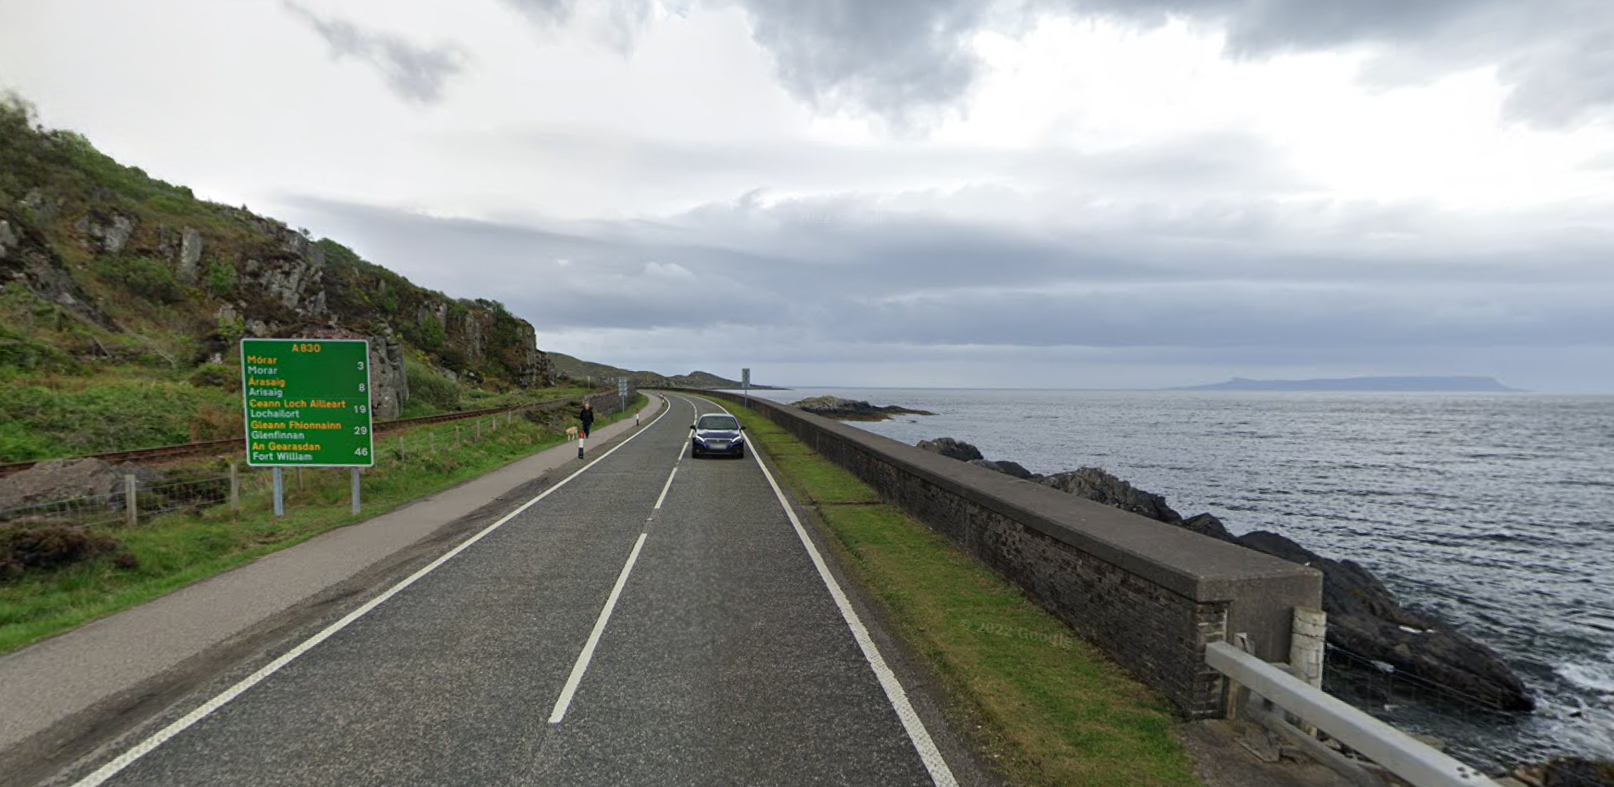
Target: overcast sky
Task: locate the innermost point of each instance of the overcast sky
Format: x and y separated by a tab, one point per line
1034	193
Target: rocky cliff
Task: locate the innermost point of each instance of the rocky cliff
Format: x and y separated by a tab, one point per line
103	265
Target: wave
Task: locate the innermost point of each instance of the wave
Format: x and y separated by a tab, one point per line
1590	676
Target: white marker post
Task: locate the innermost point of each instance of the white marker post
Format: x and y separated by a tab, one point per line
580	440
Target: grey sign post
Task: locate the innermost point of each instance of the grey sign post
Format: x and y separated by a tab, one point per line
622	391
745	385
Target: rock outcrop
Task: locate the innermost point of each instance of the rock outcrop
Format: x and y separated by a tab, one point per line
113	247
852	410
1364	617
67	478
953	449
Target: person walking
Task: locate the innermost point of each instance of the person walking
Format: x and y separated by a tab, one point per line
587	417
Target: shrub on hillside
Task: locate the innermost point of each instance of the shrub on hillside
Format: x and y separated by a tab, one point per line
143	276
221	278
428	388
217	375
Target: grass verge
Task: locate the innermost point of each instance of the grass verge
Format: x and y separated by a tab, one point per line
1043	706
176	550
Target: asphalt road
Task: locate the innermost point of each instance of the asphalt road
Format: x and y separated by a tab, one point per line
652	620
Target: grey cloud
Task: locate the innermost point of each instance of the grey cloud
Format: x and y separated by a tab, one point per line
617	25
1556	55
902	60
928	282
415	73
909	60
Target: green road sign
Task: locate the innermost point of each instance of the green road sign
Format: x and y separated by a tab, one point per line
307	402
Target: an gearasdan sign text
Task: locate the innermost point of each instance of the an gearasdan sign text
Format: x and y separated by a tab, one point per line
307	402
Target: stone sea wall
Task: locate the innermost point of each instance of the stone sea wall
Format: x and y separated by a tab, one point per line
1150	595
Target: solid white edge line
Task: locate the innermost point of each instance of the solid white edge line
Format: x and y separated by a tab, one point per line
663	497
163	735
940	774
565	700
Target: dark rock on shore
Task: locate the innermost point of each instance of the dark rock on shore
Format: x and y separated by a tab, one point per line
1365	619
1363	616
1568	772
952	449
1101	487
852	409
1006	467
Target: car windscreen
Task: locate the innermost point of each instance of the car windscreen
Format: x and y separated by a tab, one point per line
718	422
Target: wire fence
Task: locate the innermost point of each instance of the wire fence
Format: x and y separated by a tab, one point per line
1368	682
138	496
118	508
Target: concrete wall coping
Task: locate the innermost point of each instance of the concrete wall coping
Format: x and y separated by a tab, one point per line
1196	566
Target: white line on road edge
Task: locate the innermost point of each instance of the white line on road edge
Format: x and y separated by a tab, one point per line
565	699
163	735
664	489
928	753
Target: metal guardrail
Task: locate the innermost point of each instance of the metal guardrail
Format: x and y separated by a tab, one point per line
1413	761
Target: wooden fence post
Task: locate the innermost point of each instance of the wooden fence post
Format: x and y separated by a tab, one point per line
131	505
235	488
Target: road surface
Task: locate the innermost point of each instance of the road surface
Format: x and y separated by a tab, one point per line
650	620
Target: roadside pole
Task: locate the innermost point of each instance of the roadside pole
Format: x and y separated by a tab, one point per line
280	492
745	385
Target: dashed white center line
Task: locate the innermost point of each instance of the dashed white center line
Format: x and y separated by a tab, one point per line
565	699
663	497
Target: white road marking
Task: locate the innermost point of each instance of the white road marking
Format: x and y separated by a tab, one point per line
940	774
162	736
565	699
664	489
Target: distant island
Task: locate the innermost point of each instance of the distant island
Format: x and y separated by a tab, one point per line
1403	384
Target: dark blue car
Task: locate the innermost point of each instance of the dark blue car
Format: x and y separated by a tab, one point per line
717	434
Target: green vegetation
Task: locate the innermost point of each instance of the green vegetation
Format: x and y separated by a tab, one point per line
430	392
93	294
1046	708
76	416
176	550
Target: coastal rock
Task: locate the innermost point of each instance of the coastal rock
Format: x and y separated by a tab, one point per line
1100	486
1365	619
1567	772
1006	467
952	449
1207	525
851	409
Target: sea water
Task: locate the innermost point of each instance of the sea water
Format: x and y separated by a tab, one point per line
1495	511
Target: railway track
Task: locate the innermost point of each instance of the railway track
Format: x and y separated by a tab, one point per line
238	444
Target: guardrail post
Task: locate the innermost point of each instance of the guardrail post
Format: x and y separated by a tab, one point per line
131	505
235	487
